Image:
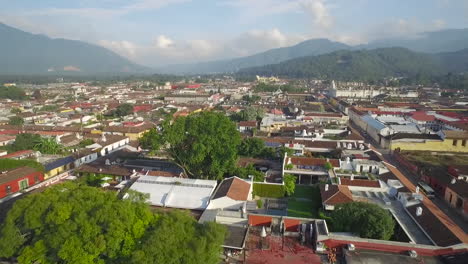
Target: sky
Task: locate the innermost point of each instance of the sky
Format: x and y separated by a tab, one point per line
160	32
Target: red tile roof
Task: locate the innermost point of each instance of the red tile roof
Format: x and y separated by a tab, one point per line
234	188
360	183
248	123
422	116
336	194
18	154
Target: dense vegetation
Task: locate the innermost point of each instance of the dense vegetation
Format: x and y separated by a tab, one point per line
204	144
26	141
366	65
365	219
12	92
71	223
16	121
249	114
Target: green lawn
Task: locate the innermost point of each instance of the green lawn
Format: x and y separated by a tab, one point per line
303	191
298	207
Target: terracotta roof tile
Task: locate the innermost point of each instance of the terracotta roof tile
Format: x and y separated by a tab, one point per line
234	188
360	183
336	194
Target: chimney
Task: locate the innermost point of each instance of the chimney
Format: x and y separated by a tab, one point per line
419	211
417	189
352	177
263	233
326	187
453	181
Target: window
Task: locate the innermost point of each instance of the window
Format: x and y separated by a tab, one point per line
464	143
454	143
8	189
23	184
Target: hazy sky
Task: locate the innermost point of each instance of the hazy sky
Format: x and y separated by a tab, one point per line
156	32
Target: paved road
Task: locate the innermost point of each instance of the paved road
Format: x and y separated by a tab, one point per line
411	181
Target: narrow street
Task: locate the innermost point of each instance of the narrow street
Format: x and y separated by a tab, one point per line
438	207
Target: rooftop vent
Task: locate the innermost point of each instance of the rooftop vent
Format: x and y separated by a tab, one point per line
419	211
413	254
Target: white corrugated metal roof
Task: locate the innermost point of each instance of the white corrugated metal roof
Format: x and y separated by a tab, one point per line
176	192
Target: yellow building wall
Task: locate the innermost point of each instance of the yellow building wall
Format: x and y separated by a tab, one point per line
56	171
442	146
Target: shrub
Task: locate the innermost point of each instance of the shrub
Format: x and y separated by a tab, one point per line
259	203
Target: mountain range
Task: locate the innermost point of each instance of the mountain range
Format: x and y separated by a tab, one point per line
449	40
366	65
25	53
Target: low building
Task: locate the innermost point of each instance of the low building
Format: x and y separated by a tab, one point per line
19	179
180	193
58	166
309	170
456	194
22	154
5	140
333	195
232	194
245	126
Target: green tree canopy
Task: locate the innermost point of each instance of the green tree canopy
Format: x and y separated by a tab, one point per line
178	238
73	223
204	144
248	114
366	219
12	92
252	147
124	110
25	141
48	146
16	121
289	183
153	140
15	110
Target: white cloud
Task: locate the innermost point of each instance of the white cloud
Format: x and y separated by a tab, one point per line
124	48
166	50
319	12
163	42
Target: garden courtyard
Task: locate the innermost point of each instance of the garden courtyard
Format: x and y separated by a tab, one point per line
305	202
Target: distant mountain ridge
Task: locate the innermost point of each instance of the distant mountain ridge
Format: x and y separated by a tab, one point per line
25	53
305	48
366	65
449	40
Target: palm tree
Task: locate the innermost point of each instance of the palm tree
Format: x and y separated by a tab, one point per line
48	146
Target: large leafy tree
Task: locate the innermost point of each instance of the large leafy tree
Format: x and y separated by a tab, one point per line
124	110
48	146
153	140
72	223
16	121
204	144
252	147
178	238
366	219
25	141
